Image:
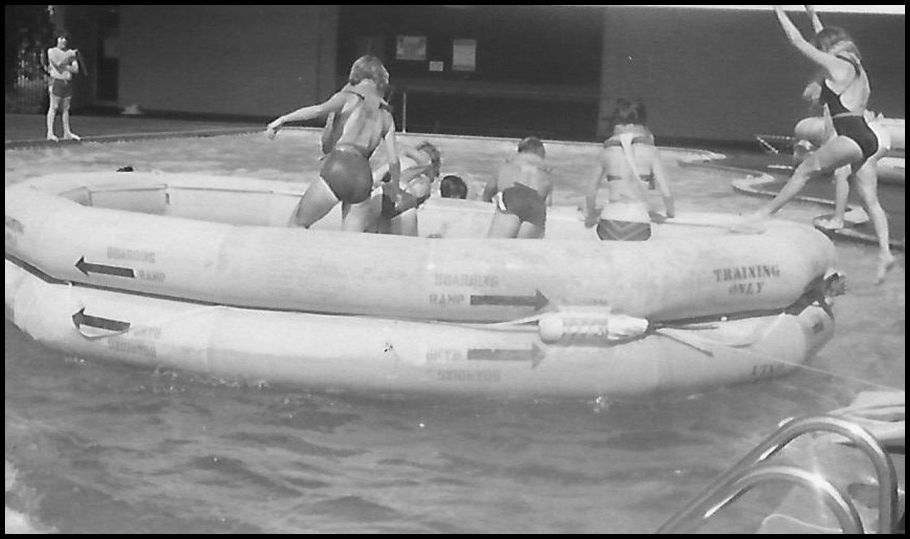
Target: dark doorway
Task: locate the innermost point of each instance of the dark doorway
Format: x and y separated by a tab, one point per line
108	54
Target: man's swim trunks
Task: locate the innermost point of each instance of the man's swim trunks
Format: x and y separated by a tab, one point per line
61	88
525	203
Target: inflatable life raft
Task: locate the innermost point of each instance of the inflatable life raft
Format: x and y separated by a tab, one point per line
569	354
202	273
169	235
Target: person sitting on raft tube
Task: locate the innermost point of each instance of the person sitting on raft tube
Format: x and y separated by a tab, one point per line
453	186
844	90
419	169
362	120
521	190
629	162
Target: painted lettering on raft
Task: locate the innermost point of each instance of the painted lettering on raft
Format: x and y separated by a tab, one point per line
468	375
447	299
120	253
746	272
746	289
763	370
743	273
149	275
147	332
477	280
445	355
132	347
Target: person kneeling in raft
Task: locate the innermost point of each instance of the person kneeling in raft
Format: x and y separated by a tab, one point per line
629	162
521	190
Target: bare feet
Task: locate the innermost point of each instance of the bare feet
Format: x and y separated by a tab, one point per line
52	137
72	136
830	224
885	263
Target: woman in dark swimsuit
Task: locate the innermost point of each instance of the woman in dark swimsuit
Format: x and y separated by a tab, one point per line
845	93
361	121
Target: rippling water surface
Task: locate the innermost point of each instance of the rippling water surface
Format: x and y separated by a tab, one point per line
95	447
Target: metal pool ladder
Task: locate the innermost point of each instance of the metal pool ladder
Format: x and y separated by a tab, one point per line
753	470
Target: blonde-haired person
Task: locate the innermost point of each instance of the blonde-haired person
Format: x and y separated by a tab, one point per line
844	90
419	169
362	120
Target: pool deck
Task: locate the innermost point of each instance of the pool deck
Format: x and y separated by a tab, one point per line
28	130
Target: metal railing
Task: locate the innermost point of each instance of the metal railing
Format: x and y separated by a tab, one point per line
750	471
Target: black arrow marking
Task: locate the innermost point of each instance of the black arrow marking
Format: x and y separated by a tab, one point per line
86	267
82	319
538	300
534	354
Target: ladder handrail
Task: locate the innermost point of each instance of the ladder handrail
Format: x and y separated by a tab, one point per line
789	431
745	479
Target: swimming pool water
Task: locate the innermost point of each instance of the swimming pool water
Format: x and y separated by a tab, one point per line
95	447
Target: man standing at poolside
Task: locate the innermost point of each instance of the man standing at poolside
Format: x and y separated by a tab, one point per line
61	66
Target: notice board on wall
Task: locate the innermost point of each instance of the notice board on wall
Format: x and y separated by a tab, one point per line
411	48
464	54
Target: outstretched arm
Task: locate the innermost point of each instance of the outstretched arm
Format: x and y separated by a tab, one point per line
591	195
392	188
830	63
491	188
333	104
663	184
817	25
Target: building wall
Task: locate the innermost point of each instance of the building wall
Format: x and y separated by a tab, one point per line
235	60
537	67
727	75
708	75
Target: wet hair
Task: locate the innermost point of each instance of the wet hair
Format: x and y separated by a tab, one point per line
830	36
627	112
369	67
435	156
532	145
453	186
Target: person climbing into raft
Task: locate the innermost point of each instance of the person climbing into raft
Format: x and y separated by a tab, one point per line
521	190
419	169
844	90
361	120
629	162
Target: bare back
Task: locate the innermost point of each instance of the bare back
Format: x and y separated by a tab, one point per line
363	121
623	185
527	169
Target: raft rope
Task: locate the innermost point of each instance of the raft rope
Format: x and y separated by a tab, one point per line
513	324
675	332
